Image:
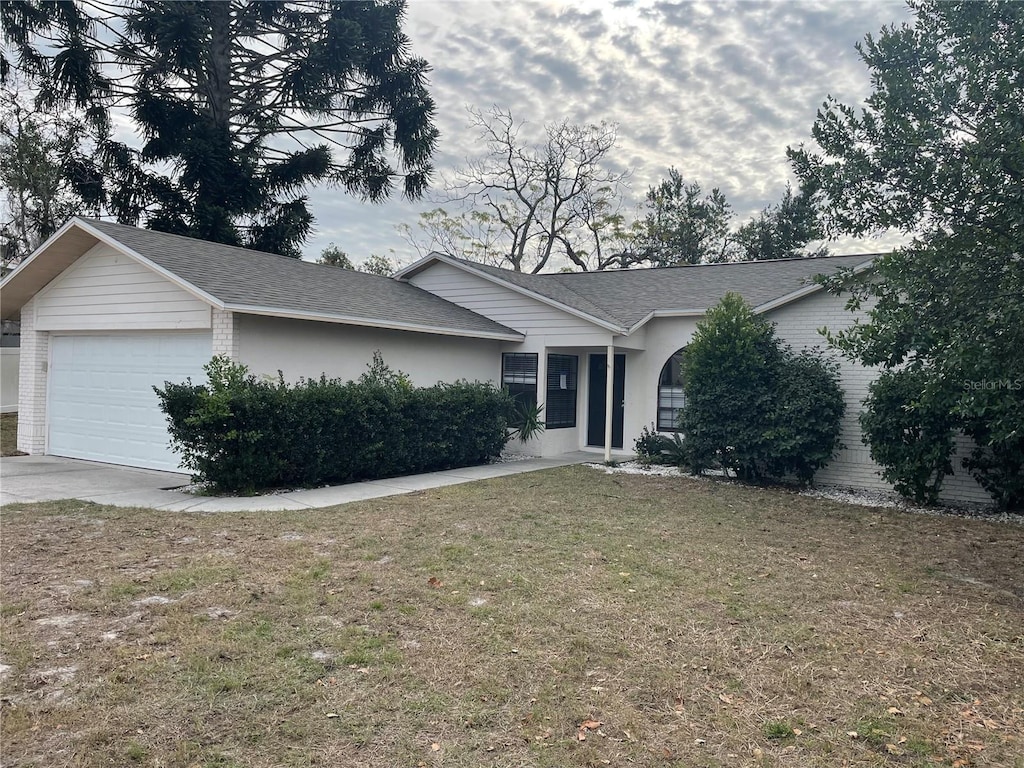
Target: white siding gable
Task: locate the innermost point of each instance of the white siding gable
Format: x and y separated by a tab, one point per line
106	290
506	306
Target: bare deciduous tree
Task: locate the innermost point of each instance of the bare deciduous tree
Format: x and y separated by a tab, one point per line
529	207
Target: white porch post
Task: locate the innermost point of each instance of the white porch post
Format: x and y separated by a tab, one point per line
609	394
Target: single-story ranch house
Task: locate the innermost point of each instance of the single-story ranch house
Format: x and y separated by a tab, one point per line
107	311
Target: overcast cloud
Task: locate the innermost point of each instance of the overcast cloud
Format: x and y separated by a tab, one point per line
717	89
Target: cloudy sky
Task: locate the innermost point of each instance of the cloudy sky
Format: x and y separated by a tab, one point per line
716	89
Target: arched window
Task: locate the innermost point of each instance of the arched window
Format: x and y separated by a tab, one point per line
670	393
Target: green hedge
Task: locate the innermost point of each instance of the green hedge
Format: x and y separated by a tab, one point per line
240	433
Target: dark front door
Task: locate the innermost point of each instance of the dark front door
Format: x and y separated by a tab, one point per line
595	408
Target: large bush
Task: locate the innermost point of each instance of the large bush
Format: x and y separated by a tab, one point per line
912	416
754	406
243	433
909	434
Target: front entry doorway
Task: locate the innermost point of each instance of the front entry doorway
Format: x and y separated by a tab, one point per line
596	399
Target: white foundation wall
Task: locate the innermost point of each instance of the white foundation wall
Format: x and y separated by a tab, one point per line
303	348
799	324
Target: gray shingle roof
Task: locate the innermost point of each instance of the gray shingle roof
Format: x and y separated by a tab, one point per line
239	277
624	297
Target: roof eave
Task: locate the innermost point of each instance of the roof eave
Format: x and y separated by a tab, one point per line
23	272
419	265
30	264
426	261
807	290
371	323
666	313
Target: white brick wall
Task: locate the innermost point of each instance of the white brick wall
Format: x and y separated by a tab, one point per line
35	355
225	333
798	324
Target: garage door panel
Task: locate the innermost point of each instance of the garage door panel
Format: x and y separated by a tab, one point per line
101	400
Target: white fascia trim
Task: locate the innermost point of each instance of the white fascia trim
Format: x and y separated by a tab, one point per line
167	274
666	313
417	267
362	321
35	254
807	290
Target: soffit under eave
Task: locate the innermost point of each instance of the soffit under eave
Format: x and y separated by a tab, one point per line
43	268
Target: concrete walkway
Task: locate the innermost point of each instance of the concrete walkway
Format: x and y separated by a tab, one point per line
47	478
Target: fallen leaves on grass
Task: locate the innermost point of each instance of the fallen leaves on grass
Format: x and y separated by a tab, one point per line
587	725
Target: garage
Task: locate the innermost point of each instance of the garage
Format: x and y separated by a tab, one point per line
101	401
108	311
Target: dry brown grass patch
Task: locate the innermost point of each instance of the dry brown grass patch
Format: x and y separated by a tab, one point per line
9	435
484	624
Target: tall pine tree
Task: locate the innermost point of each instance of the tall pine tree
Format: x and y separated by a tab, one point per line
239	107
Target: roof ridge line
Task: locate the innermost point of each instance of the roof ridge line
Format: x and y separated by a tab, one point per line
791	259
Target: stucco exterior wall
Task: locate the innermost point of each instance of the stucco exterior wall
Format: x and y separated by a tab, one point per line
302	348
665	336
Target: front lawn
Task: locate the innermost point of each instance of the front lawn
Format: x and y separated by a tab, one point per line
9	434
561	618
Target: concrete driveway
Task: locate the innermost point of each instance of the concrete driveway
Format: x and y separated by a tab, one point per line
46	478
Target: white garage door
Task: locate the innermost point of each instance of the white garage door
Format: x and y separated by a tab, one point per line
101	400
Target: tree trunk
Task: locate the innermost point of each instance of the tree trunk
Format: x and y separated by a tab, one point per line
218	68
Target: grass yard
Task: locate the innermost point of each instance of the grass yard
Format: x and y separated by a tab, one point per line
561	618
9	434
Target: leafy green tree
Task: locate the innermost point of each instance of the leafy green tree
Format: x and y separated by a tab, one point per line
239	106
682	225
36	155
333	256
782	231
727	375
376	264
910	432
937	153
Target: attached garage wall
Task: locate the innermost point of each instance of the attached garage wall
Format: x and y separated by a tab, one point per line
302	348
94	342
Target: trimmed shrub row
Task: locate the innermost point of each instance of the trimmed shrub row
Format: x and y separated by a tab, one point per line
240	433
